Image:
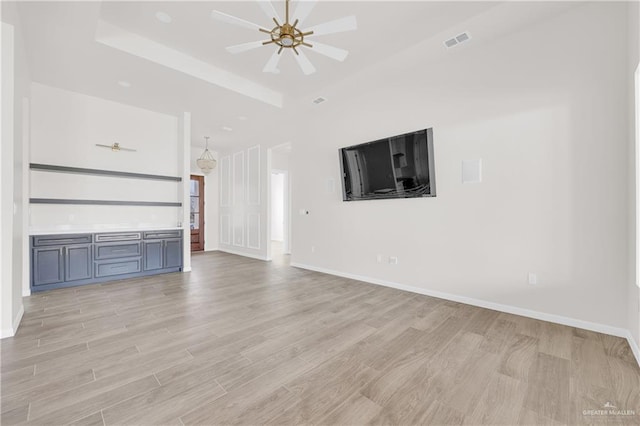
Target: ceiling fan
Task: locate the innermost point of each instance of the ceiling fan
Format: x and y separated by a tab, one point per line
288	35
115	147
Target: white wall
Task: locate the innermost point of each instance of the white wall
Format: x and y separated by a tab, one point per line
66	126
634	121
6	184
280	160
547	113
211	198
15	97
243	202
184	191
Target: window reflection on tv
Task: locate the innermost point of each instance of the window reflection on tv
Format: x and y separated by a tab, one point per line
396	167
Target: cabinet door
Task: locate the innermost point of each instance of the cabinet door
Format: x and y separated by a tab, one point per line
77	262
173	253
48	265
153	255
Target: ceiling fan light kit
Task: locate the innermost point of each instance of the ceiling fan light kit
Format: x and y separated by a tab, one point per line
288	35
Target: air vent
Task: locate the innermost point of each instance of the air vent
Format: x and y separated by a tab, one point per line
319	100
460	38
451	42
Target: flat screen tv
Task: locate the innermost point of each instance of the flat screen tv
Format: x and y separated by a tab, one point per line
396	167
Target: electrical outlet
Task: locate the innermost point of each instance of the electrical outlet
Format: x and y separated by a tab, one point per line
393	260
379	258
313	249
533	278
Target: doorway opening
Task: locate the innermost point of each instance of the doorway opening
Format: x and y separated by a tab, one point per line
280	203
197	212
279	195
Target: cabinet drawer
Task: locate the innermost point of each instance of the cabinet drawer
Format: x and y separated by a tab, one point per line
58	240
153	235
118	236
117	268
113	251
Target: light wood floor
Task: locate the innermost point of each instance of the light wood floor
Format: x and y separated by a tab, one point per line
240	341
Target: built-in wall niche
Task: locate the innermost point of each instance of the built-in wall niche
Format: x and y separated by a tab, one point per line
68	197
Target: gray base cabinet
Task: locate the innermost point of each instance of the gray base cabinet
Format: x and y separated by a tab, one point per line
77	264
48	266
107	269
172	253
153	255
160	254
78	259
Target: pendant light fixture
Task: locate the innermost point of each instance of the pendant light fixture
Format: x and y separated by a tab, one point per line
206	162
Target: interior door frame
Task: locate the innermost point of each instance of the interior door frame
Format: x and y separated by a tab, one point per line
200	179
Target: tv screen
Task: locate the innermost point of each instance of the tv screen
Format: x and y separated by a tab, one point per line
396	167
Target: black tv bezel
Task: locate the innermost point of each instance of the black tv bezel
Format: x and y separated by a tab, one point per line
431	163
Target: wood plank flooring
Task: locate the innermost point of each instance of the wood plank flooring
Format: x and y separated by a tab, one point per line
240	341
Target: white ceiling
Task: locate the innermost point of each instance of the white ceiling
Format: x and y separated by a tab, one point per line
62	51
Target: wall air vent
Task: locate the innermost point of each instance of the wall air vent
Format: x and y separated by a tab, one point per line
319	100
460	38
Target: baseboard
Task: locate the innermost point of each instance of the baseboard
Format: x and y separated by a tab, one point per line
10	332
239	253
186	269
558	319
6	332
634	346
18	319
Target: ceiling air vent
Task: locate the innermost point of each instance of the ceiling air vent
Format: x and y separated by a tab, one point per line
319	100
460	38
451	42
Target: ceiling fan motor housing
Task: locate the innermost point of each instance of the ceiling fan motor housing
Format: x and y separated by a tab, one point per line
287	35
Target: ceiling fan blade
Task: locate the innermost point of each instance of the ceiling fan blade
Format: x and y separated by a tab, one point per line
269	10
330	51
239	48
272	63
115	147
305	65
229	19
303	10
348	23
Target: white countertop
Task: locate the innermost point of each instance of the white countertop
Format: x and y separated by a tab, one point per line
94	230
